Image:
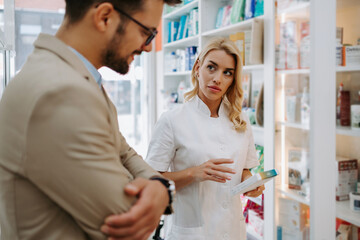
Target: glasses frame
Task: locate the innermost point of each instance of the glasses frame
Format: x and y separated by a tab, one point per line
152	32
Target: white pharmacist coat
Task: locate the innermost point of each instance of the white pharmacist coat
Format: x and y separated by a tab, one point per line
185	137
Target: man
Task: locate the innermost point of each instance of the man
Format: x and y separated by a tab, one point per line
64	166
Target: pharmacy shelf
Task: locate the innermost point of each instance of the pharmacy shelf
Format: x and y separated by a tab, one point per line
297	10
251	234
344	212
348	69
347	131
176	14
253	67
294	71
231	29
293	194
177	74
190	41
294	125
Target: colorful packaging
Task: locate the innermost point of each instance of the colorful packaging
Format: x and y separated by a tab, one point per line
346	178
238	11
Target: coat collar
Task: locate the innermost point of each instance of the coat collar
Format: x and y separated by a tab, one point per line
203	108
56	46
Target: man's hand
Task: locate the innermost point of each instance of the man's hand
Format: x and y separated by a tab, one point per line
143	217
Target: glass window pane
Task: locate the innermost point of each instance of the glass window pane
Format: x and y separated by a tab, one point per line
129	95
31	18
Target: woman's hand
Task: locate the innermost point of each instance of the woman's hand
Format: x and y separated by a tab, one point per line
213	171
256	192
253	193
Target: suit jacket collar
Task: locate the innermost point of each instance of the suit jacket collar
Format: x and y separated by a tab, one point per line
56	46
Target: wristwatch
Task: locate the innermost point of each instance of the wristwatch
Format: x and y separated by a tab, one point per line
170	185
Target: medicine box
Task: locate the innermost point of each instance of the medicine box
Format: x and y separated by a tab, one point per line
351	55
296	235
256	222
346	177
292	215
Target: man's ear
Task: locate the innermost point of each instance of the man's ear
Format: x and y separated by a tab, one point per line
105	15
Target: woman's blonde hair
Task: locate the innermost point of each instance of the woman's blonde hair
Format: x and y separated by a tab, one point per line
234	95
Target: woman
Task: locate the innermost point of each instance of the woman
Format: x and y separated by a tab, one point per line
208	146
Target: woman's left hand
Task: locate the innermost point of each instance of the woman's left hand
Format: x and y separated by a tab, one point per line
253	193
256	192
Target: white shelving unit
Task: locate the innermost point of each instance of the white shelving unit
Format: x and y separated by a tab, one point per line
346	131
225	31
344	212
294	71
181	11
177	74
190	41
348	69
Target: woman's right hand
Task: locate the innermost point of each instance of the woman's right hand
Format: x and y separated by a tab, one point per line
213	171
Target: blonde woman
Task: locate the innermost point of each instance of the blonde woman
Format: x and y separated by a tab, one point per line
206	146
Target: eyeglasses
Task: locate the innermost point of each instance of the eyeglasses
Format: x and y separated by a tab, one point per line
152	32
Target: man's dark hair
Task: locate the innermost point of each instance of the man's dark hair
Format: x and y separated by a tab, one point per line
76	9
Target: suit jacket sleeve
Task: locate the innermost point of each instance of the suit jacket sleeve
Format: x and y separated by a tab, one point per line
72	156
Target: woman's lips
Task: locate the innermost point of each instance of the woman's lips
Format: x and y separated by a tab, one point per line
214	89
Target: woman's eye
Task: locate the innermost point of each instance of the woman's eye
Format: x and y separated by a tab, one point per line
210	67
227	73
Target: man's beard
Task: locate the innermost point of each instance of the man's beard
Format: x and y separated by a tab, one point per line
111	59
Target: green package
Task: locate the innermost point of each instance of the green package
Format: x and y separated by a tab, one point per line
237	11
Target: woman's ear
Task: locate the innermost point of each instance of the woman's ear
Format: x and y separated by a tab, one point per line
197	67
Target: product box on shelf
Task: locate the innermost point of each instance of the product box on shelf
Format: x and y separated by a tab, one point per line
346	177
298	168
351	55
296	234
256	222
304	45
239	39
292	214
345	109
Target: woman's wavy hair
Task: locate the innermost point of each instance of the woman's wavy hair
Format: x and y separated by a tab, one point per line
233	97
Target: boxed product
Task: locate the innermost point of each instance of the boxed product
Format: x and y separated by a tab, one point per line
305	45
343	232
239	39
346	178
256	222
280	57
351	55
298	168
293	214
296	235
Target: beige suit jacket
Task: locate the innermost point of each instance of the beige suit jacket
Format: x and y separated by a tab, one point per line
63	161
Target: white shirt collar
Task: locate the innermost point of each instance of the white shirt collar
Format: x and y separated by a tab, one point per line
203	108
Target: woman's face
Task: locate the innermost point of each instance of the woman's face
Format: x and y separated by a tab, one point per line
215	75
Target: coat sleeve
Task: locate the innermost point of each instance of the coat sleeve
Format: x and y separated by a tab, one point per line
251	156
71	157
162	145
